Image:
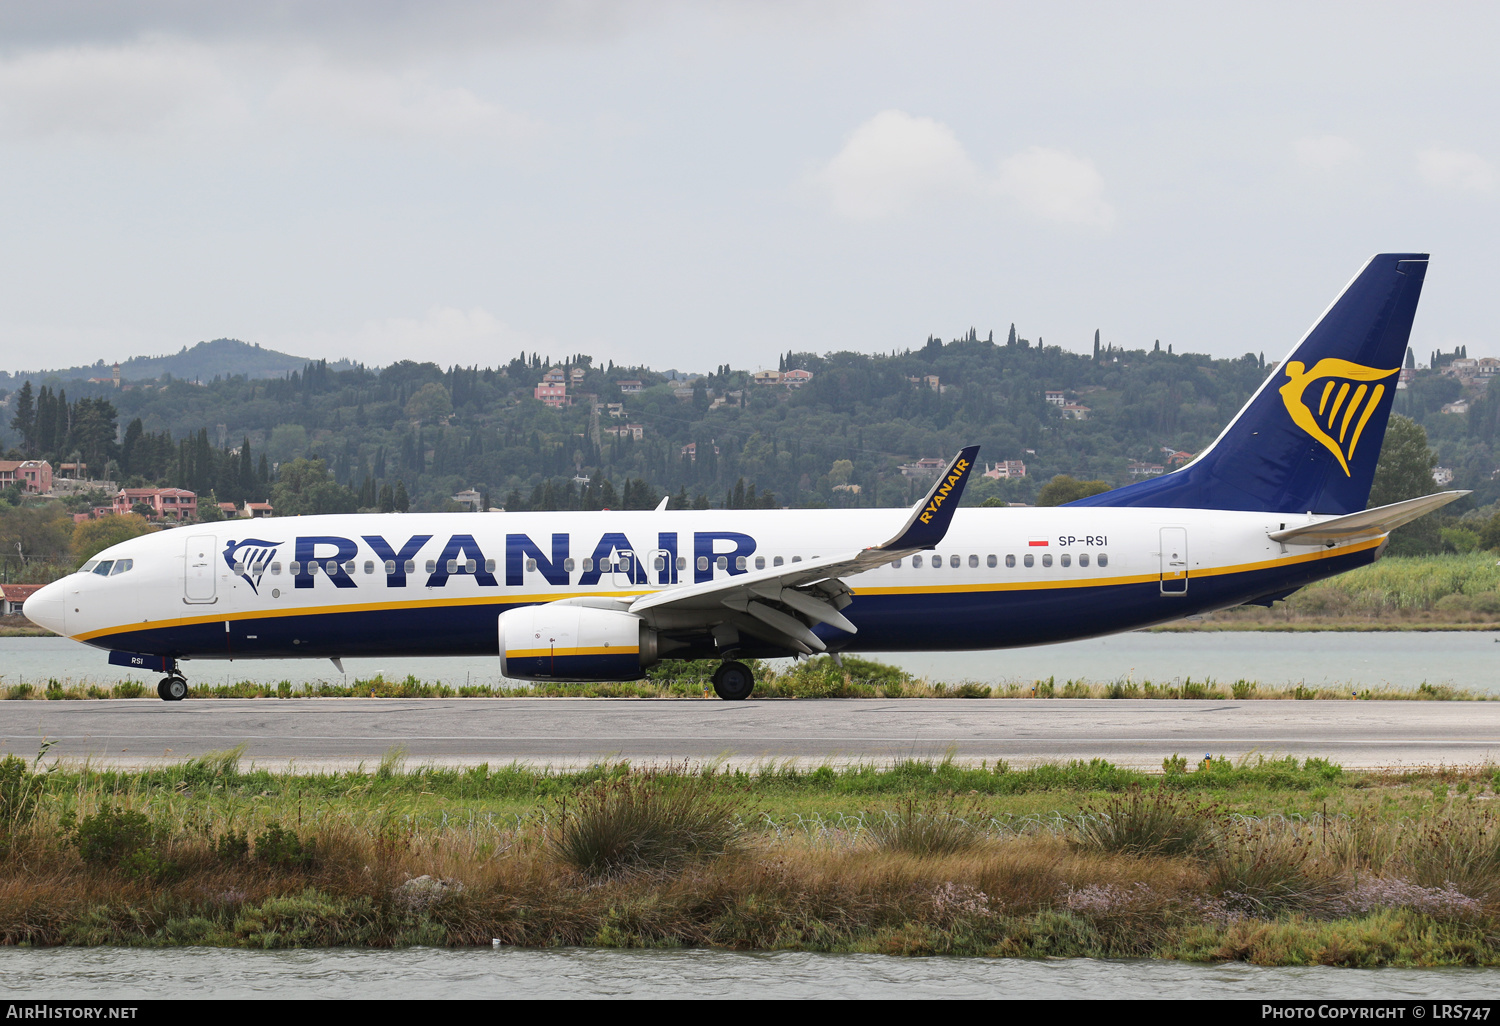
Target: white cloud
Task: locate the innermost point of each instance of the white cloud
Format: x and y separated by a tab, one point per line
897	161
894	161
1456	169
400	106
1325	153
150	85
172	90
1054	185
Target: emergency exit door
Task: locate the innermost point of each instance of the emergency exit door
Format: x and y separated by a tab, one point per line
1174	561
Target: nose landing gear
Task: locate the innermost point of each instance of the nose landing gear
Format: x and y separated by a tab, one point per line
173	688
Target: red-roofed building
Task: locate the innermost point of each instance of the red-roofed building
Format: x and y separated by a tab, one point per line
13	596
177	503
33	476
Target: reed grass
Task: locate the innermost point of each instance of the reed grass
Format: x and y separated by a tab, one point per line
208	852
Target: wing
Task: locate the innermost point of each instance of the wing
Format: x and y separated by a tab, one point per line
780	604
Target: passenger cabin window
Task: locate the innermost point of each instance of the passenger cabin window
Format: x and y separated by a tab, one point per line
760	562
1103	559
722	562
973	560
682	562
432	566
1067	560
294	568
796	559
777	561
1029	559
1046	559
1083	559
989	561
1010	561
916	561
390	568
702	562
897	564
276	569
588	564
530	565
411	566
954	560
739	563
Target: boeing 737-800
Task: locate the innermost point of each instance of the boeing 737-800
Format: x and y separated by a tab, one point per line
1276	502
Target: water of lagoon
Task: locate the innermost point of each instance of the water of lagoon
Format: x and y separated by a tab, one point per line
427	973
1400	659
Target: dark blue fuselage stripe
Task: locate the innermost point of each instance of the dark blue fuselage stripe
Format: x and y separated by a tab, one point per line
915	622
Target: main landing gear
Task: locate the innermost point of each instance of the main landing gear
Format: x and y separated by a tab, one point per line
173	688
733	681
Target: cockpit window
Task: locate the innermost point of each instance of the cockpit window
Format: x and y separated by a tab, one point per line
88	567
103	567
122	566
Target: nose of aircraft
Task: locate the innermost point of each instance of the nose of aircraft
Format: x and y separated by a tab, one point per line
47	607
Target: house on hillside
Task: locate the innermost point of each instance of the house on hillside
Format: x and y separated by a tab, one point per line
176	503
34	476
1005	470
927	466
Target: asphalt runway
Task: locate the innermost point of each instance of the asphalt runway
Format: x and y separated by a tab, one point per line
341	733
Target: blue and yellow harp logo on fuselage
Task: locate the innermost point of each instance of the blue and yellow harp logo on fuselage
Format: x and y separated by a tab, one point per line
1336	413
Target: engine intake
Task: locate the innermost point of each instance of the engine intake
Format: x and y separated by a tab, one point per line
556	641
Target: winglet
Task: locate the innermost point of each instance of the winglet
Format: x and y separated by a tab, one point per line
930	518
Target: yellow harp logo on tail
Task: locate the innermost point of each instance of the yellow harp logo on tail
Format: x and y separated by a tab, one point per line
1336	413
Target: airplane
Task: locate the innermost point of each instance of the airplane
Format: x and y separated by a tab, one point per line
1275	503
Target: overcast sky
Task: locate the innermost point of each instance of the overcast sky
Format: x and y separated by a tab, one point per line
689	184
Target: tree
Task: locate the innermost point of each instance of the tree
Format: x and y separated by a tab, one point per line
25	419
304	488
430	404
401	501
91	537
1405	472
1063	488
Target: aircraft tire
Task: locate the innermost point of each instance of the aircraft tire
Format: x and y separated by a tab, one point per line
172	689
733	681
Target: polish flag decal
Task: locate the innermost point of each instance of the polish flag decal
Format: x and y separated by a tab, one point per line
1038	543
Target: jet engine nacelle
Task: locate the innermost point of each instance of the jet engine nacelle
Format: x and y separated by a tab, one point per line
557	641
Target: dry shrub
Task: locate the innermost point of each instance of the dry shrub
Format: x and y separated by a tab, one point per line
1162	823
1460	849
1270	867
924	831
634	824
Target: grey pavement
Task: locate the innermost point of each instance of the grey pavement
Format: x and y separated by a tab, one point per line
338	733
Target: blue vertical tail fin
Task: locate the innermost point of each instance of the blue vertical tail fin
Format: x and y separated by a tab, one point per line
1308	439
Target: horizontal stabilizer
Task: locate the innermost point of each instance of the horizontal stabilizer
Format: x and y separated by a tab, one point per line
1370	523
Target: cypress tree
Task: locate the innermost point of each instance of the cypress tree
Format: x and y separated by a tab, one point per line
400	500
25	419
